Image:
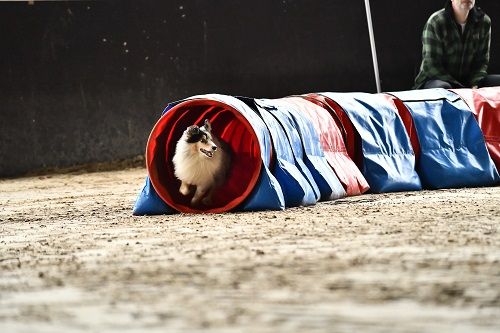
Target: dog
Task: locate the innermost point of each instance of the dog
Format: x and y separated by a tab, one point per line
201	162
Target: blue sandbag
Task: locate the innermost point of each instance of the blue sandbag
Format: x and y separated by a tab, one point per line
453	150
388	158
149	203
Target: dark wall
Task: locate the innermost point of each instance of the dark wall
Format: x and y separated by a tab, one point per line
85	81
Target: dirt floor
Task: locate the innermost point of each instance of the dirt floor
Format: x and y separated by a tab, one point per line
73	259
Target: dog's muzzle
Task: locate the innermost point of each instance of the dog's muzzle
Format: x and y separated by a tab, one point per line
209	153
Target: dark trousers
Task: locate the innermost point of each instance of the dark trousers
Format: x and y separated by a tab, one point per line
492	80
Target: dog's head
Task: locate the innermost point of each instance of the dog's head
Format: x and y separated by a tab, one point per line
201	138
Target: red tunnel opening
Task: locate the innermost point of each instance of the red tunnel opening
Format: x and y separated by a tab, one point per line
229	125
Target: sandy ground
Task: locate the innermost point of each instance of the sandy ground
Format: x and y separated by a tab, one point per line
73	259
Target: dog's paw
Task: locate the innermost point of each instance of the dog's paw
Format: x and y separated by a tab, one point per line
184	189
207	201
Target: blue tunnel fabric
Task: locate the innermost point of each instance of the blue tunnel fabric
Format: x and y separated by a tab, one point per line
453	150
315	160
284	169
388	158
297	183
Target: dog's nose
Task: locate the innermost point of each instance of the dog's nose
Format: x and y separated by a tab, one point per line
214	148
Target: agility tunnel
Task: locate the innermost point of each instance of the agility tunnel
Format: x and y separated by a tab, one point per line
298	150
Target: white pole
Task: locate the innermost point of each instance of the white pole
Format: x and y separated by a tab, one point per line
372	43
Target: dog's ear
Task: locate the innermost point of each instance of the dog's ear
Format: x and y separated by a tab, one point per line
207	125
193	129
193	133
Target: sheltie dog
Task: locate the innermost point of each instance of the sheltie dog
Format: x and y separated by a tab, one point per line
201	162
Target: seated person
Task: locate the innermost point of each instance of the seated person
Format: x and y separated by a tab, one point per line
456	48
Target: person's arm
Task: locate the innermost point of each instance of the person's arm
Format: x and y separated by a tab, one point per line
482	58
433	55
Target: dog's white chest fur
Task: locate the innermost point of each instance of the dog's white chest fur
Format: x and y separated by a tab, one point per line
195	169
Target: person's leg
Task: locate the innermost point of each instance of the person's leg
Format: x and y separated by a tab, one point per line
492	80
437	84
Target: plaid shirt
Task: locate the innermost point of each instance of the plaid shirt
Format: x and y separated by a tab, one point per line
449	55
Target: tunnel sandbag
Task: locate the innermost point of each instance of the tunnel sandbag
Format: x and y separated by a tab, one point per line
249	184
304	114
388	158
336	130
148	202
453	152
297	183
485	105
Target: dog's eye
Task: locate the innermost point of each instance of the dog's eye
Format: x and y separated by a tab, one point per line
204	140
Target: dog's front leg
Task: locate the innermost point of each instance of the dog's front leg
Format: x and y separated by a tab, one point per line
185	188
198	195
207	200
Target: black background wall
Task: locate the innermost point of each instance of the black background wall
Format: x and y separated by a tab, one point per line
85	81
